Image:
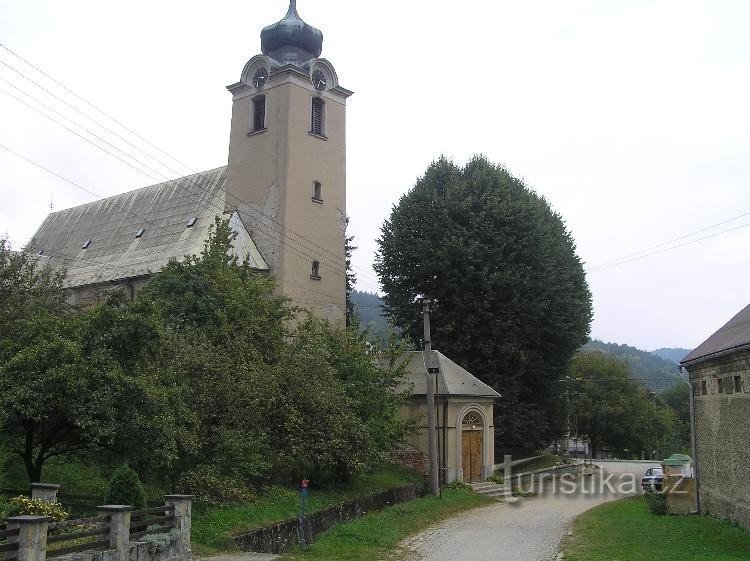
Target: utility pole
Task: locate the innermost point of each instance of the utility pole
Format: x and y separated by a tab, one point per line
431	370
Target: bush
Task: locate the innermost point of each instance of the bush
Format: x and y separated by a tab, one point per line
21	506
657	502
457	485
497	478
208	485
125	488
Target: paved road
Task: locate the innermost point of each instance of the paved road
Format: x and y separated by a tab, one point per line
529	530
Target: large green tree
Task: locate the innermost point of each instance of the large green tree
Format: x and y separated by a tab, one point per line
509	295
62	391
612	410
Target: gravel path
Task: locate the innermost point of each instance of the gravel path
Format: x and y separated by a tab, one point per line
529	530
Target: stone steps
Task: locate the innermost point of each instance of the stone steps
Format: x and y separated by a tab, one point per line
490	489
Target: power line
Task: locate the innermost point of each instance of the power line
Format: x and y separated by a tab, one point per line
602	268
249	206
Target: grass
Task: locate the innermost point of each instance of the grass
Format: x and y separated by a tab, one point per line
377	536
214	527
627	531
546	461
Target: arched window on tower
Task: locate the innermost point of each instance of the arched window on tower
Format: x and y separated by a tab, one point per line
317	192
259	113
315	270
318	117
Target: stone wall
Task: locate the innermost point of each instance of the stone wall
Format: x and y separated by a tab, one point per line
722	430
278	537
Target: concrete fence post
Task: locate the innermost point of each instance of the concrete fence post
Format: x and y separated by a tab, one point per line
119	529
182	523
32	537
46	492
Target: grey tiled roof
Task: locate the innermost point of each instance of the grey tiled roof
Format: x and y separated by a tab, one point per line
452	380
735	334
163	211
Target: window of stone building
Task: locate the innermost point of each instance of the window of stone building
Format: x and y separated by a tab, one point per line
315	270
317	192
720	385
737	384
704	390
318	117
259	113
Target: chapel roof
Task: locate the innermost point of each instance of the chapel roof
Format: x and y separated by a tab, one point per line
115	250
734	335
453	380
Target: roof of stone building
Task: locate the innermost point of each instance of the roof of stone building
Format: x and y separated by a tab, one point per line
453	380
734	335
109	229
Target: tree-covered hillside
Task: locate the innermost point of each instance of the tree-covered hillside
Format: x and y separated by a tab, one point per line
368	306
652	371
672	354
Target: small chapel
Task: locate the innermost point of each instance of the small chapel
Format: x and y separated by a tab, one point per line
283	189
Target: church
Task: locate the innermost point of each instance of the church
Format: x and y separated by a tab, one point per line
283	189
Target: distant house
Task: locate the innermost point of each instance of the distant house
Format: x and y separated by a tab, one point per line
719	371
464	412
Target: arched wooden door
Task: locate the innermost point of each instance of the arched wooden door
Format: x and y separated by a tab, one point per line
471	447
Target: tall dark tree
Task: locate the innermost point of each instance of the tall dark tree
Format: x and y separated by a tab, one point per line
351	277
510	298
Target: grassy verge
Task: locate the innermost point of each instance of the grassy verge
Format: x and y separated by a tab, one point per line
627	531
214	527
546	461
377	535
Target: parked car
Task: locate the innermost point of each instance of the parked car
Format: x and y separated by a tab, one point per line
653	480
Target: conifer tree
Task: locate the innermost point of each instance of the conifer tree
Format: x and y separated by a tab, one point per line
125	488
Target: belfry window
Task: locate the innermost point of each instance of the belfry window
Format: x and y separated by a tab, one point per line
317	192
315	270
259	113
318	117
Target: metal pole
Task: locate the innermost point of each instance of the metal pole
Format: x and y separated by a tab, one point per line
431	430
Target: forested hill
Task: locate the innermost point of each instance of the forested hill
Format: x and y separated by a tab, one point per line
651	370
368	307
675	355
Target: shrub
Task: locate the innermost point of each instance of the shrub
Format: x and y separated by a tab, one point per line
21	506
657	502
208	485
125	488
497	478
457	485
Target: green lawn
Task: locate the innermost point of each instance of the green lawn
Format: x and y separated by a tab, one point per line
626	531
546	461
377	535
214	527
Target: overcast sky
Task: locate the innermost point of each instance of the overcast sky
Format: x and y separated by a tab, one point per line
631	117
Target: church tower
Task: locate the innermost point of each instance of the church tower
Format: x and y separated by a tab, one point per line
287	164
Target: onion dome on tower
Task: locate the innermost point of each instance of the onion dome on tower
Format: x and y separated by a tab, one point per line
291	40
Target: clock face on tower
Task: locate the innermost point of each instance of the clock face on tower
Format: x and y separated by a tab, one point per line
319	80
260	77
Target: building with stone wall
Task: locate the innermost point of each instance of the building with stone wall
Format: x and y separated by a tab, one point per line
283	189
719	372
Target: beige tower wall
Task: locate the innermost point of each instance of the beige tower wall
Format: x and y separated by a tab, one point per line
274	171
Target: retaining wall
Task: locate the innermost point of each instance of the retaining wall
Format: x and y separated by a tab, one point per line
278	537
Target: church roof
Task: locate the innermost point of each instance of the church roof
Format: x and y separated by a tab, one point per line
734	335
453	380
291	40
136	233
